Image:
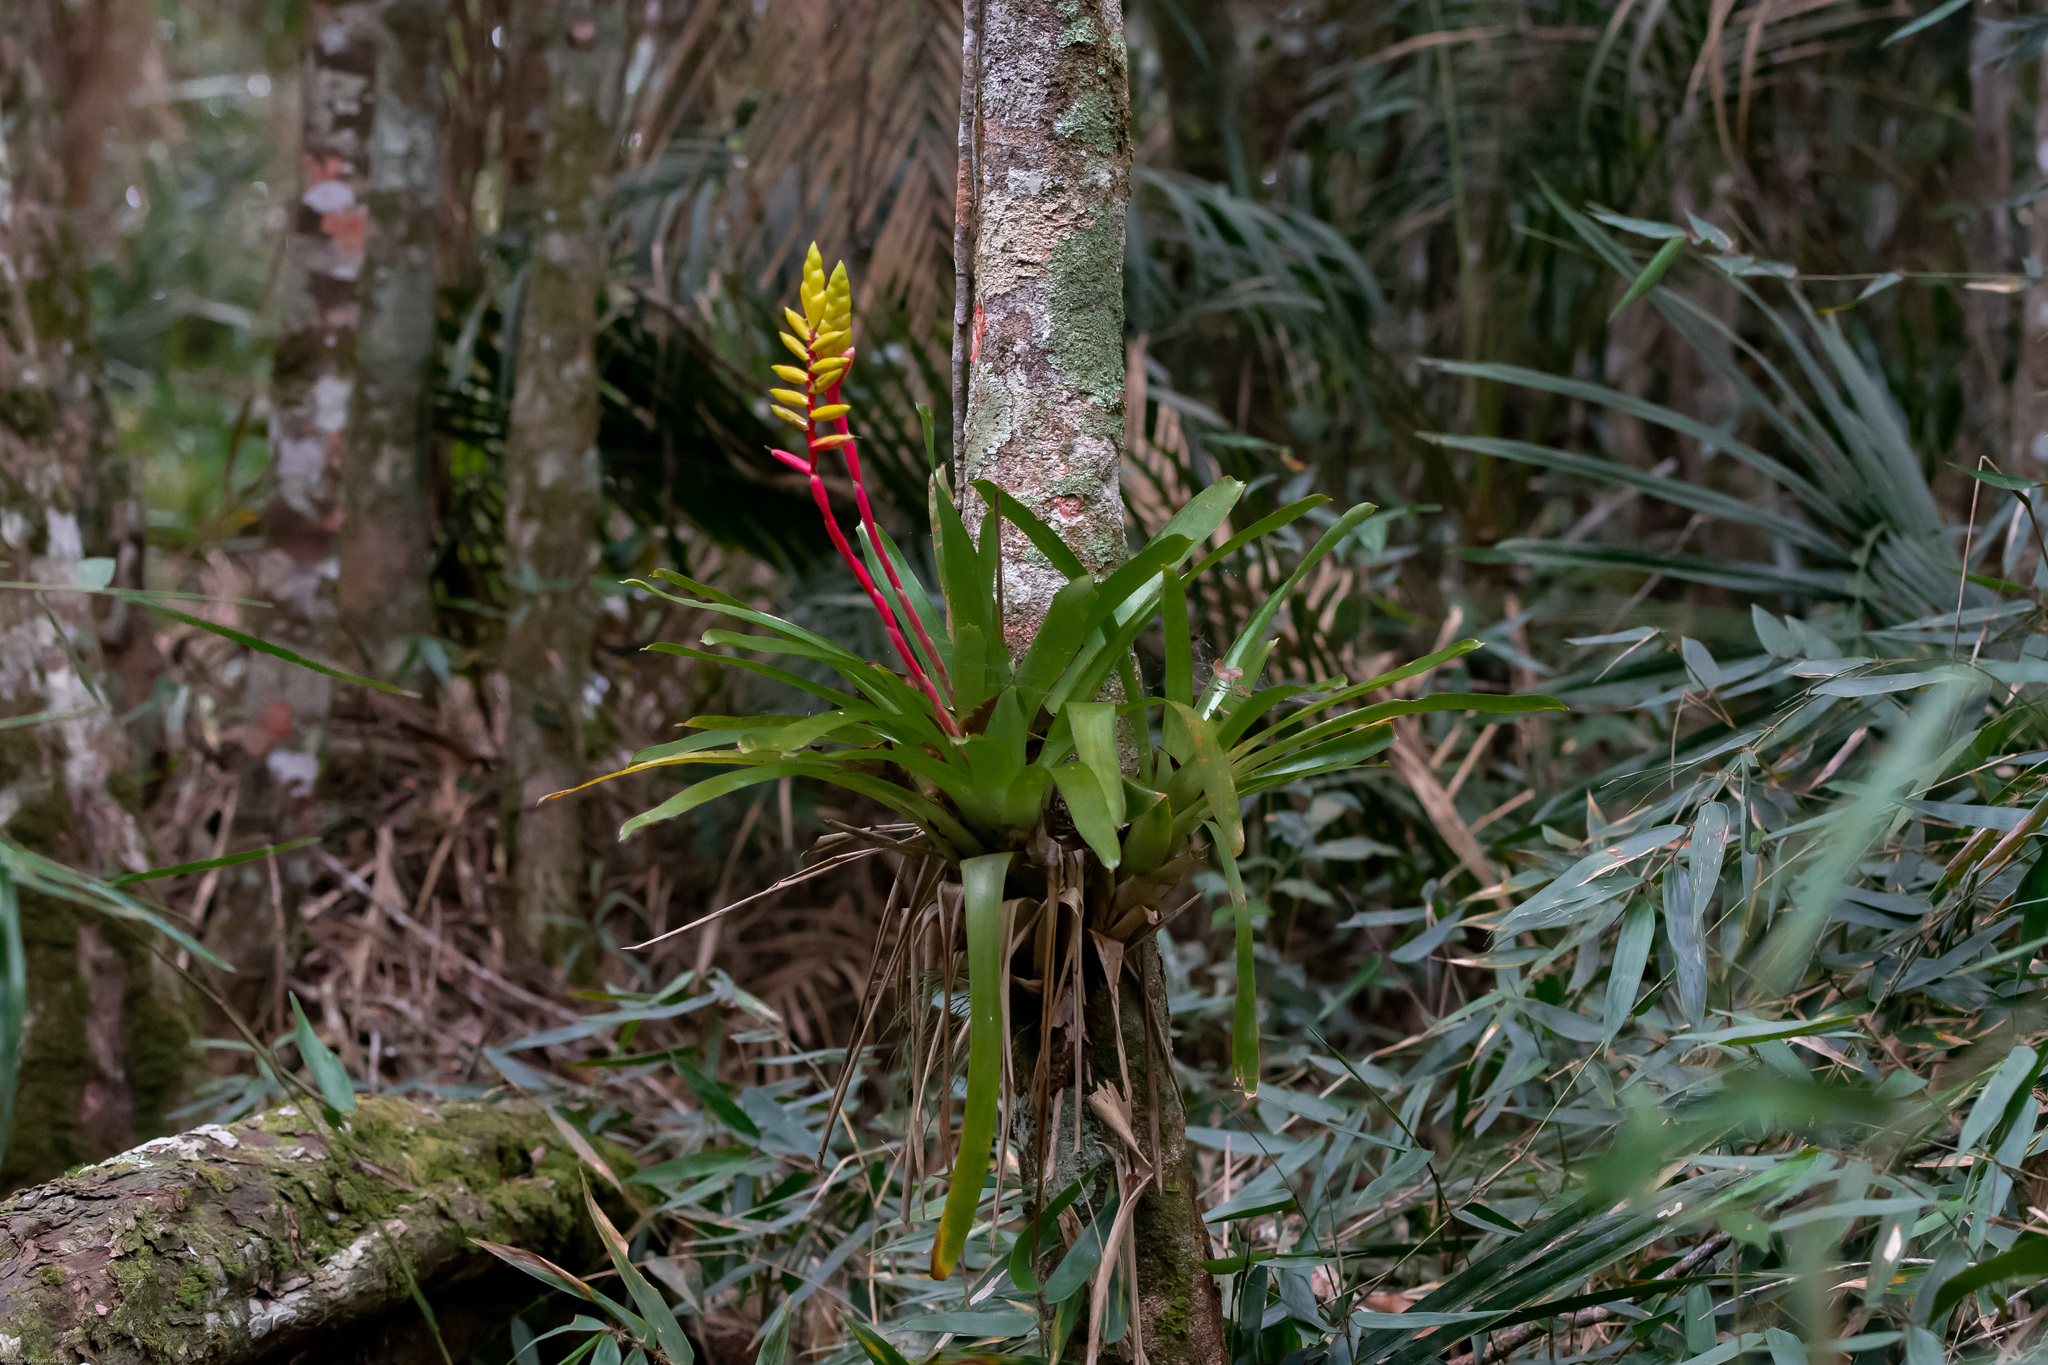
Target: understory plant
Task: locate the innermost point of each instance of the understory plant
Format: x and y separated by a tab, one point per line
1049	803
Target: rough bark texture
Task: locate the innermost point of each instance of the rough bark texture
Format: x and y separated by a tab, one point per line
1045	407
1045	419
285	708
386	531
105	1040
271	1239
551	468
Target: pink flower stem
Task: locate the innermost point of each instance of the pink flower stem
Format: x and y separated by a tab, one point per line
867	519
867	583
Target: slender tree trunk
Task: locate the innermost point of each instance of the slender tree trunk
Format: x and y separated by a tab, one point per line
2030	374
1989	242
386	530
552	497
1045	421
312	392
106	1042
1046	396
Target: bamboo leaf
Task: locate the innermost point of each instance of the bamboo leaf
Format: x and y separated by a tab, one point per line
265	647
654	1309
712	1094
1652	272
981	884
1631	954
873	1343
157	873
330	1078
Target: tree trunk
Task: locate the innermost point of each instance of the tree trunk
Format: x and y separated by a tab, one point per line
105	1045
278	1239
285	708
1989	241
2030	373
386	530
552	495
1045	422
1046	394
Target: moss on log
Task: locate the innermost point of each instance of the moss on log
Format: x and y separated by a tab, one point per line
233	1245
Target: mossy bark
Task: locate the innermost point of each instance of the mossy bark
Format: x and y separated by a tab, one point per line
233	1245
574	51
106	1040
1046	387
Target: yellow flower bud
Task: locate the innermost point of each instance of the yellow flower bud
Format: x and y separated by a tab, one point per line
791	373
791	397
813	291
786	415
828	442
830	411
797	323
801	351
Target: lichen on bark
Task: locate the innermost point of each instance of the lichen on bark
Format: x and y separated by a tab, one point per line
100	1015
1045	401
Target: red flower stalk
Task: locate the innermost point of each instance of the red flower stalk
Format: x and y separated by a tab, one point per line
819	340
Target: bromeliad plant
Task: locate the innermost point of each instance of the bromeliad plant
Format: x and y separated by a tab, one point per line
1038	788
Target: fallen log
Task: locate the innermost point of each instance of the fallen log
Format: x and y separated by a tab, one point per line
279	1238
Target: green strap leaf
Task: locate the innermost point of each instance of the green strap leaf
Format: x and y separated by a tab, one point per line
1244	1020
1264	526
1211	767
13	1004
981	901
710	789
1085	803
1024	1254
1037	532
1065	629
1179	681
1254	633
1094	724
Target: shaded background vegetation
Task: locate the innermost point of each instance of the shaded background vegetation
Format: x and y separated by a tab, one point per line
1360	262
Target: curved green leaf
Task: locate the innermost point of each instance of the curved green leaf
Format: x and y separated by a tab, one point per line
1244	1019
981	904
